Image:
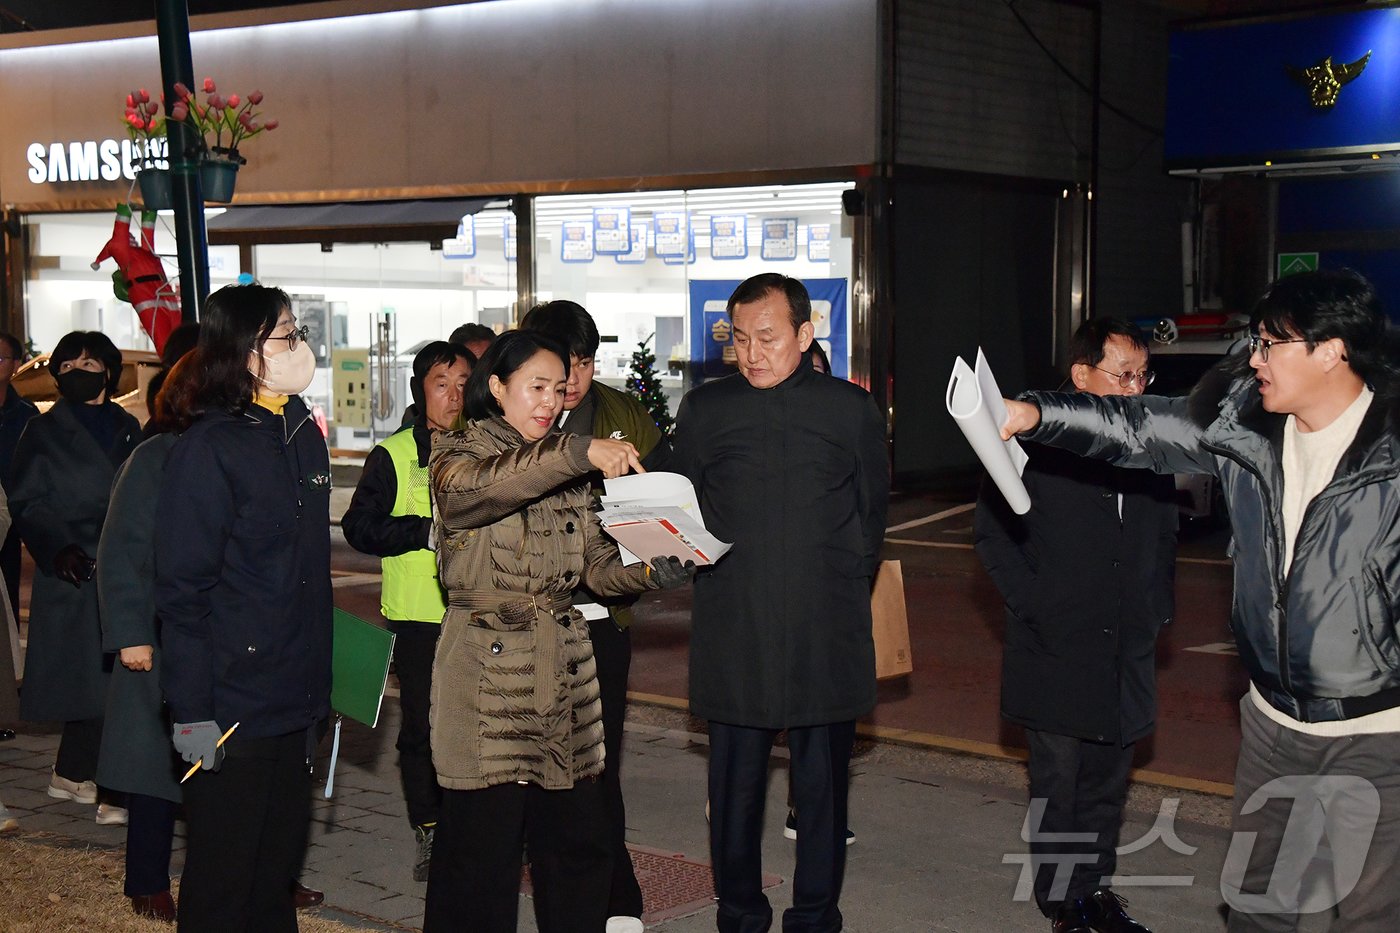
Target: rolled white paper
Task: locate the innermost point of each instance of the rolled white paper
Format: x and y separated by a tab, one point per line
976	405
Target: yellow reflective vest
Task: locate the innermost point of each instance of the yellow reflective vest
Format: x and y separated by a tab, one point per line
411	591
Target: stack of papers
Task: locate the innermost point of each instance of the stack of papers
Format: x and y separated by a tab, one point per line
653	515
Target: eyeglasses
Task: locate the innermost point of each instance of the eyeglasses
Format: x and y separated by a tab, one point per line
295	337
1126	379
1261	346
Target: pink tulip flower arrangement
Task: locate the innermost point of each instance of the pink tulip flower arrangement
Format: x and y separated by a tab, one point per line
221	121
143	117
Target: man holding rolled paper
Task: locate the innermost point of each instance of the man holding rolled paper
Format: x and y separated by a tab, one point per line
1302	433
790	465
1087	577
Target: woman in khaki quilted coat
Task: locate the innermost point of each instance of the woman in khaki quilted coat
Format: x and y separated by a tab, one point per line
516	721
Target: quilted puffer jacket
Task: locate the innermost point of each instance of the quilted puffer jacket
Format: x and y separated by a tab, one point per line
515	690
1319	636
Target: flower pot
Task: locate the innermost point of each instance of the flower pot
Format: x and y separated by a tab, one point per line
217	178
155	188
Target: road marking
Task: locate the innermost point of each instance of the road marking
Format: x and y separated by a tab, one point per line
935	517
355	579
956	545
1218	647
959	546
969	747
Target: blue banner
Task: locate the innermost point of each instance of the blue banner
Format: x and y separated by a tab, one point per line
711	334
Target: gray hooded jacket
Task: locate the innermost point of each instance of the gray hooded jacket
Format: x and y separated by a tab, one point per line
1318	637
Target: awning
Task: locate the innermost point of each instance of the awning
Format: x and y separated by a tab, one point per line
360	222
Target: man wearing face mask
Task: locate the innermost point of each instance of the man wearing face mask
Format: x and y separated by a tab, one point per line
390	516
243	593
59	487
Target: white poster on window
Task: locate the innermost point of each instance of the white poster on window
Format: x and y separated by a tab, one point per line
638	252
672	234
612	230
779	239
576	241
463	245
729	236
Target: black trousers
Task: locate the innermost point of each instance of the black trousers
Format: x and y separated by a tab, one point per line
612	650
1084	786
474	879
150	828
246	827
77	750
821	758
414	645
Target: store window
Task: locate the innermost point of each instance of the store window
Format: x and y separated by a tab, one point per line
658	266
371	307
65	293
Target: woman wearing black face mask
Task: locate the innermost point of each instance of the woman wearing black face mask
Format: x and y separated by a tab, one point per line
60	483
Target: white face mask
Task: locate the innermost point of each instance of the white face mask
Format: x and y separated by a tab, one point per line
288	373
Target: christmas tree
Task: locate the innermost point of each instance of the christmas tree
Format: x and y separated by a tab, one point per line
643	382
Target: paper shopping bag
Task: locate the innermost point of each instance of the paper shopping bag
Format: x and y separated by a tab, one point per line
890	622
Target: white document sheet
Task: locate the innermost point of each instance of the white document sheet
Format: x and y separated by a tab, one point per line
975	402
651	497
649	532
653	489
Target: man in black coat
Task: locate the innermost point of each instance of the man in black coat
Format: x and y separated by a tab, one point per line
789	465
1087	576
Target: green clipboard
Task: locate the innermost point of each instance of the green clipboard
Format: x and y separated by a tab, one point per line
360	654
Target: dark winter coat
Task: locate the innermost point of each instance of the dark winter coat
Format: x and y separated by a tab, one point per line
1319	636
9	696
60	484
137	756
243	576
15	413
515	689
797	478
1086	594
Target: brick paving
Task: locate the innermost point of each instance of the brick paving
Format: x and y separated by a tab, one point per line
934	834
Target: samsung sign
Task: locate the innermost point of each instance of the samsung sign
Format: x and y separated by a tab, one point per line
92	160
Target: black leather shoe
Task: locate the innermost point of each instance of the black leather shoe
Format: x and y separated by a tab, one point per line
304	897
159	906
1073	917
6	735
1106	914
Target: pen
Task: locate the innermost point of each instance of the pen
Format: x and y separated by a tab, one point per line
195	767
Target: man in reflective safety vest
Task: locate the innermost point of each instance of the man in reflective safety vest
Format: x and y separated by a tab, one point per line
390	516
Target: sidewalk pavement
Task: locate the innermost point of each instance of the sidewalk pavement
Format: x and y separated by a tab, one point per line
935	832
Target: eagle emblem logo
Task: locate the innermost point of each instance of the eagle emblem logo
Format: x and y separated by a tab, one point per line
1325	79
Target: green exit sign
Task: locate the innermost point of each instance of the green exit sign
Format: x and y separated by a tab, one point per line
1293	263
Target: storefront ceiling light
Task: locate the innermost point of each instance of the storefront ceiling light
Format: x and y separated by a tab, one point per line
208	212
